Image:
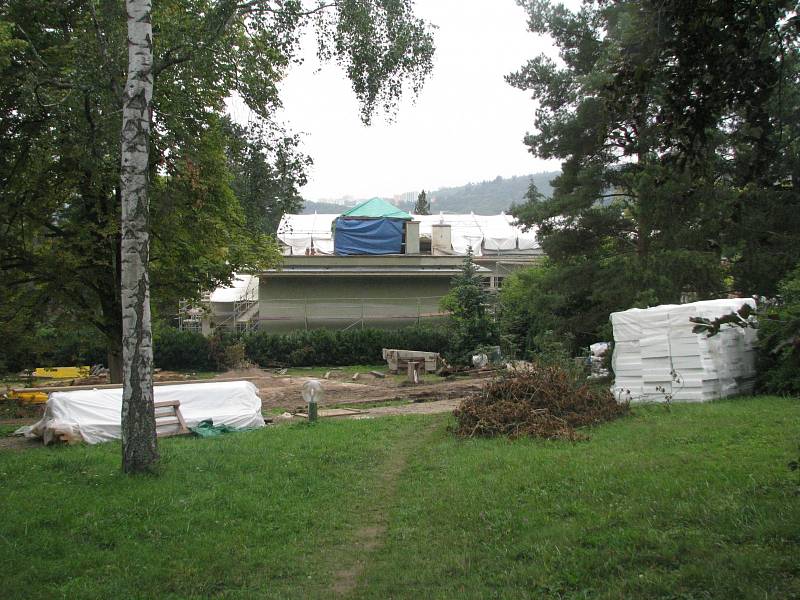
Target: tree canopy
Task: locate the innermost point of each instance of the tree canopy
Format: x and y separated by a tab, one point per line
676	124
214	185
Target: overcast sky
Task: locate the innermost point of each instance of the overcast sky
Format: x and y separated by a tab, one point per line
466	125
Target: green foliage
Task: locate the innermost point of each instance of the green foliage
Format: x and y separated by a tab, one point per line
52	343
185	350
267	170
324	347
176	350
213	197
779	341
470	306
677	130
552	311
422	207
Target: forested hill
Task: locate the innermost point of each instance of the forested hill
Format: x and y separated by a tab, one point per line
489	197
486	197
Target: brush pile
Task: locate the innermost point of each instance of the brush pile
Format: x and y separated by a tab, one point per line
544	401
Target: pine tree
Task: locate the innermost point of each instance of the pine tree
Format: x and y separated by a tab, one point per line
422	207
469	305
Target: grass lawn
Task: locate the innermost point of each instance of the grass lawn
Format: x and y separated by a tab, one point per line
696	502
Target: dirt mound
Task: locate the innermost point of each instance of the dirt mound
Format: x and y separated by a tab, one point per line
543	401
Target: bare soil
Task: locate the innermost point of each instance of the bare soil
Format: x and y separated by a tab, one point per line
282	392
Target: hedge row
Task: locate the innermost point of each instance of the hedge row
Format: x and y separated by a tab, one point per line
317	347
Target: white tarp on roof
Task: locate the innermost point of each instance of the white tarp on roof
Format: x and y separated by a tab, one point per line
94	415
243	286
299	232
655	348
494	233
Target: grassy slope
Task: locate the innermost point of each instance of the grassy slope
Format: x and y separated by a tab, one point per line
693	503
245	515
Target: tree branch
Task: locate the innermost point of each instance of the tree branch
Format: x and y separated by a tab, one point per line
116	88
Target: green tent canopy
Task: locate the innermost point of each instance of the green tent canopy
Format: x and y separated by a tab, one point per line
376	209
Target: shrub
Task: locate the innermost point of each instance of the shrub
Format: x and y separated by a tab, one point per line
779	341
54	344
320	347
174	349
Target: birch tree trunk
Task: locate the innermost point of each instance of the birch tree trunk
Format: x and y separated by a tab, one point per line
139	450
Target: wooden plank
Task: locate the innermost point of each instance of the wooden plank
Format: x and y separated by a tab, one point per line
179	416
112	386
164	403
161	422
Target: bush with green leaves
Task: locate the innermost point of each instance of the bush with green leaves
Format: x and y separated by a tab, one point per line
471	317
182	350
779	340
55	343
322	347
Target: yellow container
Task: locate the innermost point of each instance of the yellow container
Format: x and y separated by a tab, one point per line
32	397
62	372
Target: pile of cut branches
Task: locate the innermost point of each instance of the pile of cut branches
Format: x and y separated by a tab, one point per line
543	401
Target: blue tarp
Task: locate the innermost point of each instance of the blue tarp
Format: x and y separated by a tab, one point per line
368	236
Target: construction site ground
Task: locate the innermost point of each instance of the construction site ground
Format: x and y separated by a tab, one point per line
369	395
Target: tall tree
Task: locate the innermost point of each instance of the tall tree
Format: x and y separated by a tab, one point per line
650	108
138	421
422	207
469	304
268	171
63	67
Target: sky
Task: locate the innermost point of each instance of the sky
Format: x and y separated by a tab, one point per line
466	125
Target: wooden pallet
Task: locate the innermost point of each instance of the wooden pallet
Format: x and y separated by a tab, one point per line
168	413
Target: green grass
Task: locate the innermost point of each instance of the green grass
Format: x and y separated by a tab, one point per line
6	430
696	502
692	503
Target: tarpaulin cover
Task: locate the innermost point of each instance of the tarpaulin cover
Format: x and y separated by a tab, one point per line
207	429
94	415
368	236
494	233
375	209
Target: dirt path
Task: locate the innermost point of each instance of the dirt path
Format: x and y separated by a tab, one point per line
370	536
417	408
284	392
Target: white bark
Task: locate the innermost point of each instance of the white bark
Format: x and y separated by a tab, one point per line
139	449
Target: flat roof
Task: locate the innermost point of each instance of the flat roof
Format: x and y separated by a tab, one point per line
389	265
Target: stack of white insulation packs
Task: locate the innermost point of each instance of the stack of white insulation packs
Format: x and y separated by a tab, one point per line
658	358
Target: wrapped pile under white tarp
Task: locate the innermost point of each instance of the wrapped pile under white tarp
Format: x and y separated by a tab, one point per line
95	415
655	348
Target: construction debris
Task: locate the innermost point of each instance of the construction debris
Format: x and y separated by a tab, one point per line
543	401
378	374
397	359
